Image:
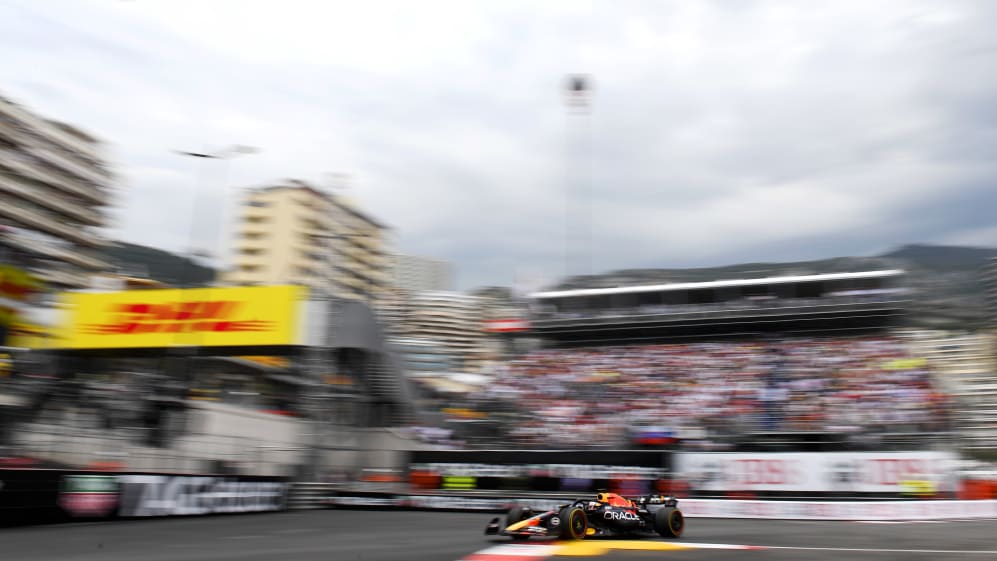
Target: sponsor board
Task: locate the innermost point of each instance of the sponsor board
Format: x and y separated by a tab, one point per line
165	495
711	508
207	317
455	503
567	471
89	495
834	510
363	501
442	502
841	472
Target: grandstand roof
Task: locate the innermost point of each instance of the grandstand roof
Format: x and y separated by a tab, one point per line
717	284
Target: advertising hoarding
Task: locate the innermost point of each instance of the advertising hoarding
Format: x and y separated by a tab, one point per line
202	317
826	472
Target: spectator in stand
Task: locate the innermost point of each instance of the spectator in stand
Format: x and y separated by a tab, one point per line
593	397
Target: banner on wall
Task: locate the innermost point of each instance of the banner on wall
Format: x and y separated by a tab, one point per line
830	472
89	495
203	317
169	495
839	510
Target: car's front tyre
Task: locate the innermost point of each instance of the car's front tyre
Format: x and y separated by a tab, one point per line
573	523
516	514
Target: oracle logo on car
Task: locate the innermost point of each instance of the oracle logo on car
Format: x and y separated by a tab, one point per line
619	515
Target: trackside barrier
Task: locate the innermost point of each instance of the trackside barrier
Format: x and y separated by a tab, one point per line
302	496
543	471
839	510
701	508
35	496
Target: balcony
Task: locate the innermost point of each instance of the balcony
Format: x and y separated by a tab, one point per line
250	211
88	261
28	167
51	200
253	230
54	276
51	225
45	129
37	246
68	165
8	132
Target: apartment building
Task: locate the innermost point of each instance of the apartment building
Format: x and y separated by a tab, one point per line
453	321
966	368
421	274
55	188
360	246
294	233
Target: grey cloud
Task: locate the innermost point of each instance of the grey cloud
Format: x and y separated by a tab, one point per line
720	132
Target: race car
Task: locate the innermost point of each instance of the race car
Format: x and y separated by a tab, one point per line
608	514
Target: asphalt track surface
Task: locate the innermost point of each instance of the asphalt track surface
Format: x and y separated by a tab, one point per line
364	535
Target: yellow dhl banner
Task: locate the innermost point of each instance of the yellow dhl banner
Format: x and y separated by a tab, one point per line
202	317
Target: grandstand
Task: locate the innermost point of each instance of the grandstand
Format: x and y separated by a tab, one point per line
842	302
825	393
804	362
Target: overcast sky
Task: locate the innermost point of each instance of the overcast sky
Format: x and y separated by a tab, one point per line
720	132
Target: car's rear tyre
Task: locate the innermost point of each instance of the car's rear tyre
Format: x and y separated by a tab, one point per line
669	522
573	523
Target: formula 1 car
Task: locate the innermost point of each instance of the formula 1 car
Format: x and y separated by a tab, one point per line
608	514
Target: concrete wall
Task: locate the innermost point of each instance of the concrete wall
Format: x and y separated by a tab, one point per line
251	442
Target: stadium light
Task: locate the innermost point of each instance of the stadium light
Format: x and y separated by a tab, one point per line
225	154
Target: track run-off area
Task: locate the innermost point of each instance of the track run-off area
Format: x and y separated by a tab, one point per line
391	535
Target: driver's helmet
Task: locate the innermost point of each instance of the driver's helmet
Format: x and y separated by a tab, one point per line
612	499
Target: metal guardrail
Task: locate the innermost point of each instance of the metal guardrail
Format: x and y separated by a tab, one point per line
303	496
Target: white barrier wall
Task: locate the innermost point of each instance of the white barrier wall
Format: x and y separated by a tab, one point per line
820	472
805	510
703	508
240	422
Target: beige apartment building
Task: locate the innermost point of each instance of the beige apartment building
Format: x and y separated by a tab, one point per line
453	322
294	233
54	191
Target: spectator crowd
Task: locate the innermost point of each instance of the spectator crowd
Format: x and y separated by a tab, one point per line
695	392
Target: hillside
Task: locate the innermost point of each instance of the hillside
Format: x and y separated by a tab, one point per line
156	264
947	280
943	257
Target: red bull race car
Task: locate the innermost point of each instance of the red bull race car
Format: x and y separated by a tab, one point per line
608	514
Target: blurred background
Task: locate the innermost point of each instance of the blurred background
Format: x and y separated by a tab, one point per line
368	247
